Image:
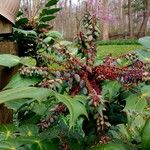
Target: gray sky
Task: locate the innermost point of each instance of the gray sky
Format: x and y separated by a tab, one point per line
75	1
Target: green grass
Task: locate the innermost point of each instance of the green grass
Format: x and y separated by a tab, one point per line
115	50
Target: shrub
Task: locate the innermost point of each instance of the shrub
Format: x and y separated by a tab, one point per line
63	99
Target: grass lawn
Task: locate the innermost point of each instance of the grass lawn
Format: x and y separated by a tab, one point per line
115	50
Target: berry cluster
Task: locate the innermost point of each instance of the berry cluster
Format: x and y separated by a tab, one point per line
80	76
92	33
102	122
55	112
50	84
34	71
87	40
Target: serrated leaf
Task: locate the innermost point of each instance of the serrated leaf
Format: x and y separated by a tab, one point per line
47	18
110	90
135	104
24	92
50	11
146	136
80	98
76	108
16	104
51	3
9	60
18	81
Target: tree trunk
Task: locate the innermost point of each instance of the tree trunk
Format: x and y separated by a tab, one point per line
105	25
146	14
130	18
121	14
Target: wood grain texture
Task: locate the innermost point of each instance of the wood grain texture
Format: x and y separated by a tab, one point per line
5	26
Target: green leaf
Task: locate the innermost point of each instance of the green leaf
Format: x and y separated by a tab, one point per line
143	55
42	25
118	146
36	143
28	61
97	147
9	60
110	90
7	131
20	13
146	136
16	104
28	139
145	91
54	34
48	40
47	18
123	130
51	3
28	130
21	22
24	92
135	104
81	98
76	108
145	41
9	145
50	11
39	108
113	146
18	81
25	32
45	145
137	124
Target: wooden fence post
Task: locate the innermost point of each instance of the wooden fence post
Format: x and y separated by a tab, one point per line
6	115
